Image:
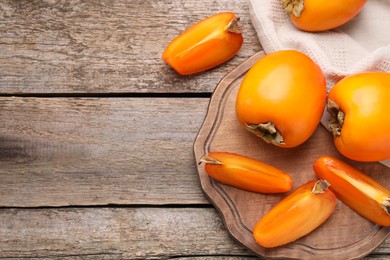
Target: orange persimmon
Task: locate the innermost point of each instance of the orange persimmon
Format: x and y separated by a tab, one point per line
360	107
357	190
282	98
298	214
321	15
205	45
246	173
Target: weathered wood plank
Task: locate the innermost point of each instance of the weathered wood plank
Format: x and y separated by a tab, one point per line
94	151
126	233
104	46
134	233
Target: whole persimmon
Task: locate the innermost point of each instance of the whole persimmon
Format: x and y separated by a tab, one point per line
321	15
282	98
360	107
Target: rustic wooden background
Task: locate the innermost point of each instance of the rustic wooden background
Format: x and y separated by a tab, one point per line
96	132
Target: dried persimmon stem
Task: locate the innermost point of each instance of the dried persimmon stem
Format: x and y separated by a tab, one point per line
234	26
266	131
386	206
293	6
209	160
320	187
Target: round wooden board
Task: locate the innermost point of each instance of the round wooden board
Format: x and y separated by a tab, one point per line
345	235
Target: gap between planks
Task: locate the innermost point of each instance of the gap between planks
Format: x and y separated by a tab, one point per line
115	206
113	95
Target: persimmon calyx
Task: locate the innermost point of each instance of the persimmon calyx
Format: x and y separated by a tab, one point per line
267	132
233	26
293	6
209	160
386	205
320	187
337	117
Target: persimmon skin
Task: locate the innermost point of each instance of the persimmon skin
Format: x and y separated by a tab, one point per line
364	99
354	188
294	216
286	88
322	15
205	44
247	173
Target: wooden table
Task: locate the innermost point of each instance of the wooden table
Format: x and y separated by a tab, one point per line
96	133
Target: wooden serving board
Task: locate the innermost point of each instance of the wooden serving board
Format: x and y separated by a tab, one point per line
345	235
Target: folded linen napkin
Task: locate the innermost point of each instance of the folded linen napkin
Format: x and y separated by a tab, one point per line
363	44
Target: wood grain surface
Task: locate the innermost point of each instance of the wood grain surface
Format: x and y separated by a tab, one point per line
41	167
119	233
94	151
96	132
105	46
134	233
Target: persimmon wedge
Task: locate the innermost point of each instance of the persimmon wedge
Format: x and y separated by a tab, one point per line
295	216
357	190
205	45
246	173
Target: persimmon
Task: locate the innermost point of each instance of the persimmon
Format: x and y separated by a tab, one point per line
321	15
282	98
205	44
360	108
357	190
296	215
246	173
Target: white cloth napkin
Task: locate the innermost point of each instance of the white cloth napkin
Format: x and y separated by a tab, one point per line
363	44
